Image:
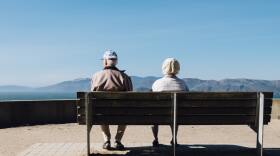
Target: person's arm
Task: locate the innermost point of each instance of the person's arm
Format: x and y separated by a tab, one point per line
155	86
92	88
129	86
127	83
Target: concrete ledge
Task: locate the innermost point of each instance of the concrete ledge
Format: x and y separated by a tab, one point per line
15	113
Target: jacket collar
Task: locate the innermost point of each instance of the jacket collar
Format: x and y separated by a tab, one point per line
113	68
170	76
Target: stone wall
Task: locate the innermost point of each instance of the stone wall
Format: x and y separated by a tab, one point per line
15	113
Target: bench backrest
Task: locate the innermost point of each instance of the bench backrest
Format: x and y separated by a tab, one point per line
192	108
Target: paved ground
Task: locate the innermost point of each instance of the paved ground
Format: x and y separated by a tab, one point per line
79	149
196	140
54	149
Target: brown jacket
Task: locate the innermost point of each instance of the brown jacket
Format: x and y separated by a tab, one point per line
111	79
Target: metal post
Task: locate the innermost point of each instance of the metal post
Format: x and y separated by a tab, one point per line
260	124
174	122
88	109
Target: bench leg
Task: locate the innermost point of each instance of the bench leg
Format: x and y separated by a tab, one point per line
88	139
260	125
174	123
88	106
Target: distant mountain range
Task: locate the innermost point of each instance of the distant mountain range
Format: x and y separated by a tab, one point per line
145	84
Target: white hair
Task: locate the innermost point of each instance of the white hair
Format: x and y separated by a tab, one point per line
170	66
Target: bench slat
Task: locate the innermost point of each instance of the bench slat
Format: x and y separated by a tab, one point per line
186	120
219	120
193	108
222	103
167	111
165	95
222	95
128	95
164	103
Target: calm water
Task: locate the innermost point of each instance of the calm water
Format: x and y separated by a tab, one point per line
35	95
41	95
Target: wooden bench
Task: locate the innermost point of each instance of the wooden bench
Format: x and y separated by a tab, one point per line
169	108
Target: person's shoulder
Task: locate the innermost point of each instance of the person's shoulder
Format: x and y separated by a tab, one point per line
157	85
160	80
122	73
179	79
98	73
184	84
182	80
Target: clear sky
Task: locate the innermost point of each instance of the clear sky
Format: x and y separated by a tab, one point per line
45	42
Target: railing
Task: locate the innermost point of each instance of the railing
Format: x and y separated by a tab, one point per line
37	112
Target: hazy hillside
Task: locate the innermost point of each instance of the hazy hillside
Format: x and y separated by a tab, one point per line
14	88
68	86
240	85
139	84
145	83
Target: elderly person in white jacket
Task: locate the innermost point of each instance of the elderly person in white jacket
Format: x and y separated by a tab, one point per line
169	82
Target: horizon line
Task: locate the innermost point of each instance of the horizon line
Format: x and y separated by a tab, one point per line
77	79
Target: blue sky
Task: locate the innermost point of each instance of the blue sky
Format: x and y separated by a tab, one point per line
45	42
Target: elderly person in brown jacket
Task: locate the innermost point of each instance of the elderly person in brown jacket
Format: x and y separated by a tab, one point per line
111	79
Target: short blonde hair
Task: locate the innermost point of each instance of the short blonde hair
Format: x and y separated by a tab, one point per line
170	66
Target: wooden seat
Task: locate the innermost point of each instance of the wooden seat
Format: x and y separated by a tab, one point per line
169	108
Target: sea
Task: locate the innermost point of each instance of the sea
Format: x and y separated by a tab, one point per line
5	96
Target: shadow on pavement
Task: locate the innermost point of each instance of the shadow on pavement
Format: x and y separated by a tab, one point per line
194	150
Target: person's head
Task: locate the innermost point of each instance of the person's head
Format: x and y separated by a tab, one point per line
170	66
110	58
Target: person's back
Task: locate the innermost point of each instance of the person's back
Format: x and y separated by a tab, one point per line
111	79
170	82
